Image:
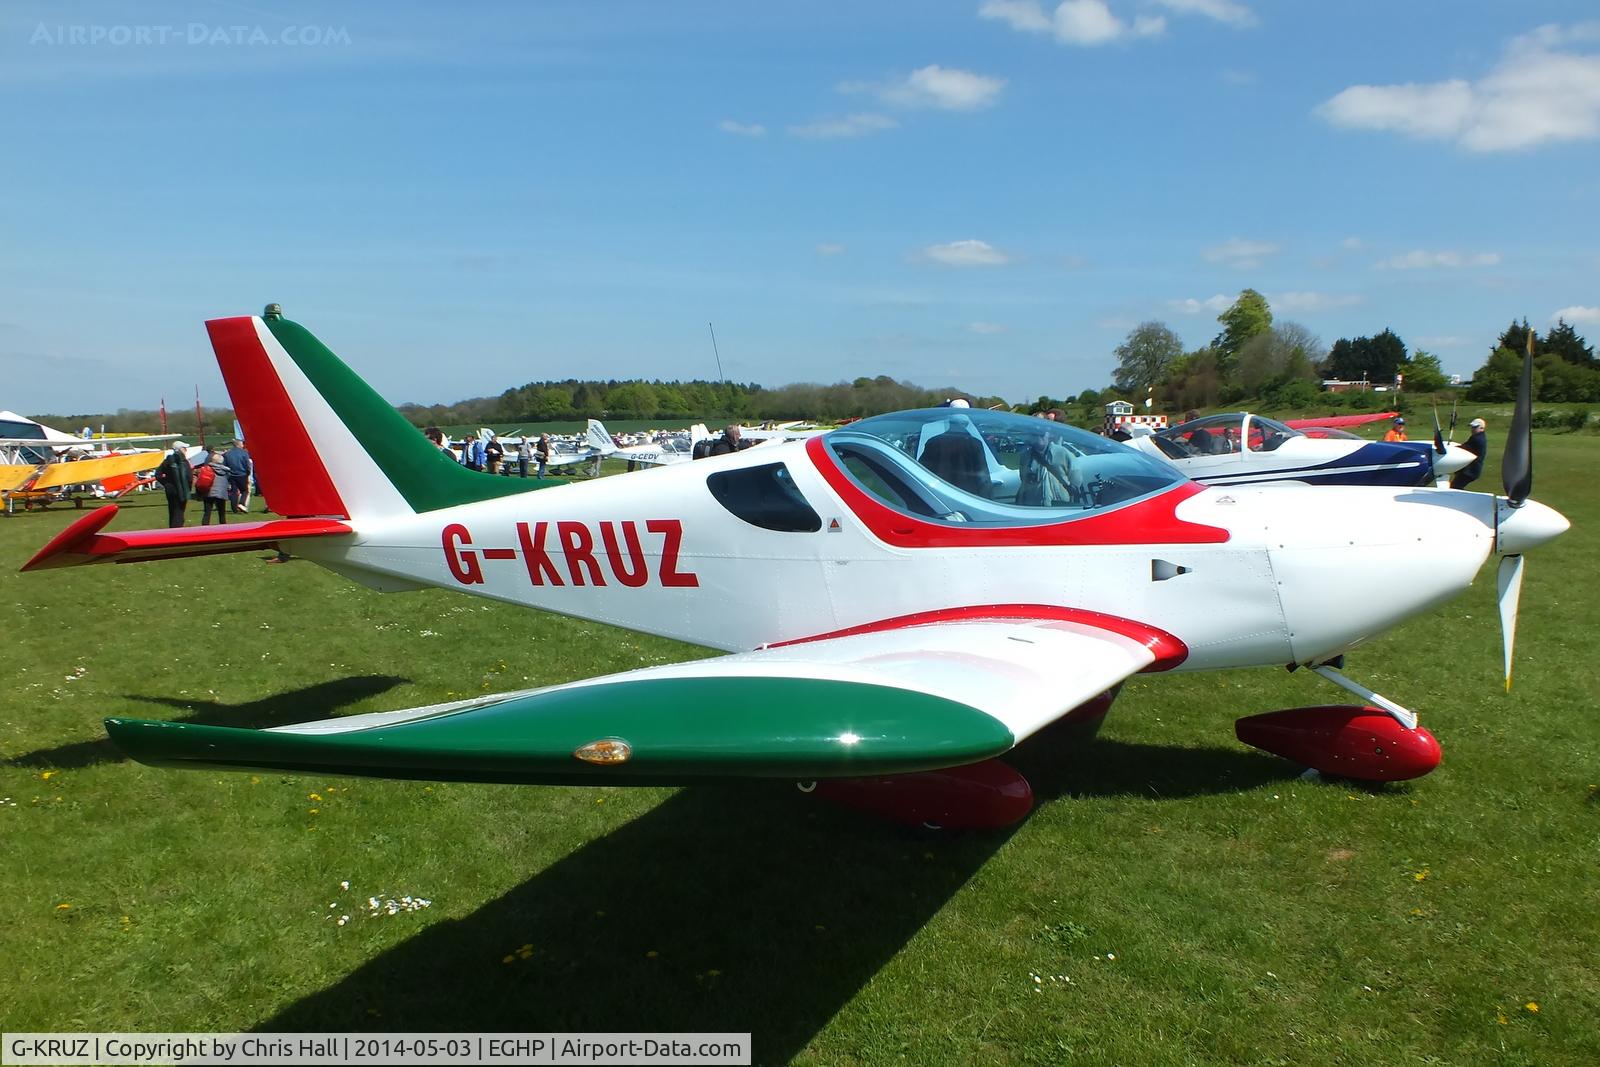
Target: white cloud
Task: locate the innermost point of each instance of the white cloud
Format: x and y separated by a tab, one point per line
1221	10
742	129
1352	243
1079	22
1024	15
1087	22
1441	341
1239	253
829	249
1191	306
1577	313
1420	259
986	327
935	86
858	125
1536	94
1312	301
967	253
1236	76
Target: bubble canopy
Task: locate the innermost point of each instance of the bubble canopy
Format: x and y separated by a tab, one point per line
955	465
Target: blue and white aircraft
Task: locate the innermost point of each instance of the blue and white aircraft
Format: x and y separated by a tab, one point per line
1240	448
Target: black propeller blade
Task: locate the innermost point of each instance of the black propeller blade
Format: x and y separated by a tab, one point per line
1516	463
1438	434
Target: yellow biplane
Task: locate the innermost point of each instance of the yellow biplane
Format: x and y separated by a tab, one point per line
41	466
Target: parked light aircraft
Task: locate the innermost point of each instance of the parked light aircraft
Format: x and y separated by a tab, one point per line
1245	449
594	445
892	625
40	464
672	448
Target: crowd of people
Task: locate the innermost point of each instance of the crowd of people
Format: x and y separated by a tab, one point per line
221	481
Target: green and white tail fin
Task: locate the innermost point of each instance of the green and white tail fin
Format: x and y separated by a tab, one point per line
324	442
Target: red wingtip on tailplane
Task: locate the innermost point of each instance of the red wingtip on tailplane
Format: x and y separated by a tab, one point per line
82	542
290	470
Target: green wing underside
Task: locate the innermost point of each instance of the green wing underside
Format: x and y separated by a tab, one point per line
679	730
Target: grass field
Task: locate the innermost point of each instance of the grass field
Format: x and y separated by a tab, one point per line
1175	898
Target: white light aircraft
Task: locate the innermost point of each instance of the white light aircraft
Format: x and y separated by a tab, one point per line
1245	449
892	626
670	449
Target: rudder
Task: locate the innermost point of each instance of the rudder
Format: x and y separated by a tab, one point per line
324	442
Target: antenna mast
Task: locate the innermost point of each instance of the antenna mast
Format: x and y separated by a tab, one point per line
714	352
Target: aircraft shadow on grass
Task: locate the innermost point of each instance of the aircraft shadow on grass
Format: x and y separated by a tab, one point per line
1059	765
766	911
300	705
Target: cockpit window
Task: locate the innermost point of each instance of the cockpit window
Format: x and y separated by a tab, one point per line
765	496
1219	435
1267	434
972	466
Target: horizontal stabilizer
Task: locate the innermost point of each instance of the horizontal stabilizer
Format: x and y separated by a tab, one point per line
82	542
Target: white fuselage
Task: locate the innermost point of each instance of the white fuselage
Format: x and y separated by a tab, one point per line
1302	575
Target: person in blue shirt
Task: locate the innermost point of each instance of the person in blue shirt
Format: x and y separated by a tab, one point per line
240	468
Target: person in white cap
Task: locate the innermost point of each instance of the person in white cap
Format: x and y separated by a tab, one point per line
1478	445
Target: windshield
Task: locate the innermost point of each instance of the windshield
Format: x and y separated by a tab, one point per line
969	466
1217	435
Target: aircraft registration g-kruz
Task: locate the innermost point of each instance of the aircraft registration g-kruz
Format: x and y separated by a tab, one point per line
895	617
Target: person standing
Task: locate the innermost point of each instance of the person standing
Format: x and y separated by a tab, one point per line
1397	431
240	467
214	486
176	476
1478	445
524	455
542	453
492	454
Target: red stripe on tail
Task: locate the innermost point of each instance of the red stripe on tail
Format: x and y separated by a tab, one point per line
290	470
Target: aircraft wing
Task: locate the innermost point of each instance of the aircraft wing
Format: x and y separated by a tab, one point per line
94	470
68	441
1340	421
12	475
874	702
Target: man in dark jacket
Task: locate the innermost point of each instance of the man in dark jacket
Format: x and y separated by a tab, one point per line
177	478
1478	445
730	441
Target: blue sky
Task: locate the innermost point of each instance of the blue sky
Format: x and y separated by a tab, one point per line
987	194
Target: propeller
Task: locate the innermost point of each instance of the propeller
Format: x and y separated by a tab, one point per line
1516	477
1438	434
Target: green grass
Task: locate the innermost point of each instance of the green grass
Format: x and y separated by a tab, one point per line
1254	917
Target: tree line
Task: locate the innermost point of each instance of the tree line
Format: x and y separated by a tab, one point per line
1279	364
1282	364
